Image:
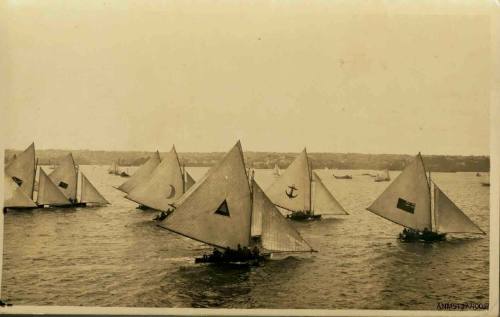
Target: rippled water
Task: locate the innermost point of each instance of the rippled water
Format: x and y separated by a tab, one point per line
116	256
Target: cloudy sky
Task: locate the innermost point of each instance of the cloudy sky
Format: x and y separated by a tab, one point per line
335	76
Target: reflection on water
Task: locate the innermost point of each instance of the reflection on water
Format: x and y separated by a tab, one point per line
116	256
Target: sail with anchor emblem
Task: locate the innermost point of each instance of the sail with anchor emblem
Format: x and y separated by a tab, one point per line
164	186
292	190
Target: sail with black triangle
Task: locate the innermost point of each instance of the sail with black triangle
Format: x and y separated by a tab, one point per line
301	194
414	201
236	217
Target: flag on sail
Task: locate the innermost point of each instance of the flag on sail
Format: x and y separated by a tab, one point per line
406	200
217	210
90	194
142	174
22	170
49	193
14	196
323	200
65	176
292	189
164	187
276	233
449	218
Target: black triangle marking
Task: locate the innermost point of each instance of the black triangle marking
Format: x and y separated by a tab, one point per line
223	210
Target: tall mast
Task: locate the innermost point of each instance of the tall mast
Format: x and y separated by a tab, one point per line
429	187
34	180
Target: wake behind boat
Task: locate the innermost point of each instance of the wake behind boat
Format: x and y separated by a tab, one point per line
417	203
239	220
301	194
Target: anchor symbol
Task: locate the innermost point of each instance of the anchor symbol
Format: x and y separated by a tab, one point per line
290	193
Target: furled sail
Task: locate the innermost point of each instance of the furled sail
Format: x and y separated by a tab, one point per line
164	187
14	196
90	194
277	234
449	218
49	193
142	174
323	200
406	200
22	170
292	190
218	209
65	176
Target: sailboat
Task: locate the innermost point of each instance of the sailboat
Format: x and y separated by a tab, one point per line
19	180
343	176
383	176
237	218
59	188
142	174
414	201
301	194
276	171
163	186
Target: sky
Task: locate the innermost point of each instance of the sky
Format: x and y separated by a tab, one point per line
332	76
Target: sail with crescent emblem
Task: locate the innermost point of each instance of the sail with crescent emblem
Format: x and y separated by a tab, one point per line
65	177
217	209
407	200
89	194
292	190
14	196
22	170
323	200
449	218
164	187
49	193
276	233
142	174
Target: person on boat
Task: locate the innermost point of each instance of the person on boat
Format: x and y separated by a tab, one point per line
255	251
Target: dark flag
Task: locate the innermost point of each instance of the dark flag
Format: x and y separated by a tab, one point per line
17	180
406	205
63	185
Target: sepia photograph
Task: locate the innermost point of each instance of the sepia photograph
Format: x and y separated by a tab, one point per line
250	157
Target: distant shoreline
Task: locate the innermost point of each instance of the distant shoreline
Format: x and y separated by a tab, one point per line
344	161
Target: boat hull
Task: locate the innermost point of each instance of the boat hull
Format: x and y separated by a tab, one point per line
75	205
420	236
303	216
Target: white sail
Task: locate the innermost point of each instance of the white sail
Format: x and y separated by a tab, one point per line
90	194
323	200
449	218
276	170
22	170
406	200
49	193
164	186
218	209
14	196
383	176
277	234
65	176
292	190
142	174
189	182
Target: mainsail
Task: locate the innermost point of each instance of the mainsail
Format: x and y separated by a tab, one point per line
449	218
65	177
217	210
292	190
406	200
22	170
49	193
189	181
276	233
142	174
14	196
90	194
164	186
323	200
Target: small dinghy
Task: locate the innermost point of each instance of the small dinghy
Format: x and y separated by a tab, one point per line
383	176
414	201
301	194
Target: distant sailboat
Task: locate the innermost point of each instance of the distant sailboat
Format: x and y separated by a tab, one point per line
163	186
300	191
223	210
408	201
59	189
343	176
276	171
142	174
383	176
